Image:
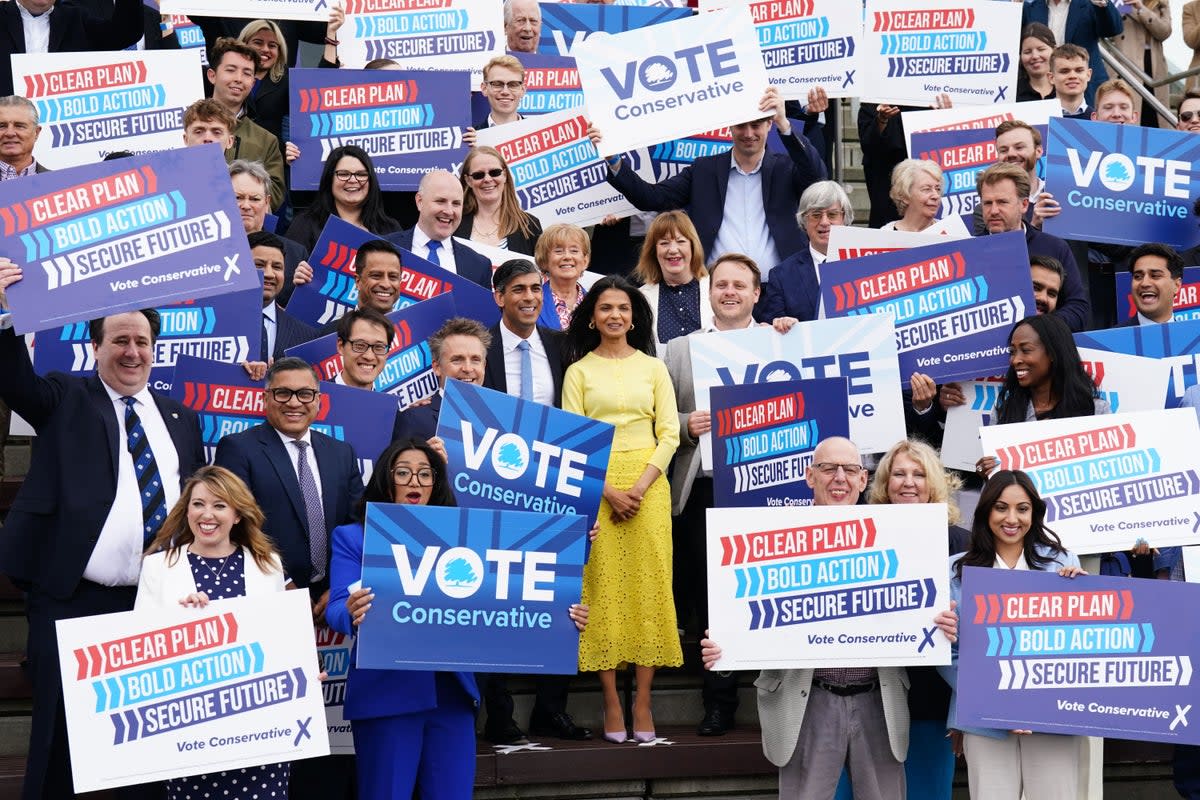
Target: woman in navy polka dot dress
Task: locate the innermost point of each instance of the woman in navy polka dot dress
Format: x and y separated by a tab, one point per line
210	548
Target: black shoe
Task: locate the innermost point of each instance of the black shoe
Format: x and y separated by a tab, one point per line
560	726
715	723
509	734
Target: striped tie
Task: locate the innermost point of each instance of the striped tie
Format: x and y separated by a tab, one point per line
150	488
318	550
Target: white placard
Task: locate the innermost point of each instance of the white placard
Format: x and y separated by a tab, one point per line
334	650
453	35
1108	480
172	692
1035	112
668	81
828	586
316	10
960	439
848	241
1191	564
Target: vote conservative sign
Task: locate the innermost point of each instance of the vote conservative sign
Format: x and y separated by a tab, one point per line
471	589
1037	113
1087	656
119	236
828	586
333	650
172	692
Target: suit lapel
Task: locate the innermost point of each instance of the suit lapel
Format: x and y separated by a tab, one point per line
494	372
554	356
58	27
12	23
108	415
279	459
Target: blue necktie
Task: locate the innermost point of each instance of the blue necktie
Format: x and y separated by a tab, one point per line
317	550
434	246
526	370
150	488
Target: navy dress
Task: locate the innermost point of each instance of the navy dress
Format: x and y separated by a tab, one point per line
222	578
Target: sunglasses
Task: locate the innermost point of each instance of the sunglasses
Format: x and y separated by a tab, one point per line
1188	116
494	172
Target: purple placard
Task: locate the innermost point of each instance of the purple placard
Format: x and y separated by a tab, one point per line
408	375
224	328
408	122
1187	299
117	236
764	435
953	302
1088	656
551	84
228	401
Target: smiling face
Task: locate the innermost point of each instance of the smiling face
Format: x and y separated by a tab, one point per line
350	190
1028	358
523	26
379	281
124	357
1017	147
267	47
439	203
1154	288
503	87
462	358
1189	115
270	261
1046	286
836	488
750	138
521	303
361	369
818	222
1010	518
232	79
415	464
293	417
1115	107
252	201
1035	57
487	188
907	481
210	518
674	252
18	134
613	314
733	293
567	260
1070	77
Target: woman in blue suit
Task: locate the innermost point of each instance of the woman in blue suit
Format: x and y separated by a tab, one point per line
411	728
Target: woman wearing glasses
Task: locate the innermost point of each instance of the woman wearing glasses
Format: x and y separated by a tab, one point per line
563	253
410	727
348	190
491	214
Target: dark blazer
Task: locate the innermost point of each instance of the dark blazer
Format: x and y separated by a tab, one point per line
881	152
1087	24
306	229
418	422
700	191
469	264
494	376
1132	322
792	291
72	30
516	242
1074	307
290	332
258	457
268	106
293	254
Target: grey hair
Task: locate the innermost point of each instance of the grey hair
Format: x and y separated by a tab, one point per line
905	174
824	194
255	169
16	101
508	12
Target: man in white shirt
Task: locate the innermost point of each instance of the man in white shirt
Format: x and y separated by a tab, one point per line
439	208
364	338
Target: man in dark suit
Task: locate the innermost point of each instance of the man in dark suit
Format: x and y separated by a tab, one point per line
1087	22
280	330
19	131
252	191
28	26
153	35
765	187
459	351
74	536
439	208
1157	275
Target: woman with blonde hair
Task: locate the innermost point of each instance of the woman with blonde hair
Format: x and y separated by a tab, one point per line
563	253
917	188
674	280
491	213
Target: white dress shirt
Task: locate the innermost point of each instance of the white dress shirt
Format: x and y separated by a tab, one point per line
744	221
293	456
1057	18
272	326
543	378
37	33
445	252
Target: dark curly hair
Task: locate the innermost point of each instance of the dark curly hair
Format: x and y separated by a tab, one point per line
582	336
382	488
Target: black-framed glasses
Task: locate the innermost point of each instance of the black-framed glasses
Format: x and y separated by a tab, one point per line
362	346
512	86
283	394
404	476
477	175
831	468
345	175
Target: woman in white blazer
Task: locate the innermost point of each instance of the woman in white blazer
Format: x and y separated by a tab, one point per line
674	280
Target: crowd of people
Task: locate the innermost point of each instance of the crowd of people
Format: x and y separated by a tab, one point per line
731	241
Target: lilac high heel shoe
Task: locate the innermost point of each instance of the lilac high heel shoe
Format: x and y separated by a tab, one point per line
619	737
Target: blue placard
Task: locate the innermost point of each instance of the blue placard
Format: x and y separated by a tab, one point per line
764	435
226	328
423	279
408	122
228	401
551	84
1187	300
1089	656
1177	342
471	589
953	302
1122	184
504	452
566	24
408	375
105	238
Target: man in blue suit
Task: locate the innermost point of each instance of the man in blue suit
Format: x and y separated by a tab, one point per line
1081	22
743	201
459	350
280	329
439	208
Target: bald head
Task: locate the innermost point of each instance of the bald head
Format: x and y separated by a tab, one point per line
439	203
830	474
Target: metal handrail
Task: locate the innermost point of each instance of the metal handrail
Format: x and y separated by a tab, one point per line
1132	74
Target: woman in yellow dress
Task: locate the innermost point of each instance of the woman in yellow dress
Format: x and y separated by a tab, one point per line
613	376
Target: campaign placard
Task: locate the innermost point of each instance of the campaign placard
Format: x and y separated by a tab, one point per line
314	10
1087	656
228	401
952	302
764	437
861	349
565	25
556	170
672	80
91	104
432	34
851	241
505	452
333	650
409	122
1187	299
1108	480
667	159
966	117
1175	343
1122	185
551	84
408	375
422	280
828	586
172	692
472	589
226	328
101	239
960	438
913	51
805	43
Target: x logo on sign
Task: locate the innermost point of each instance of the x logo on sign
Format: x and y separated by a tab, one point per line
303	734
1000	94
849	78
1180	716
928	640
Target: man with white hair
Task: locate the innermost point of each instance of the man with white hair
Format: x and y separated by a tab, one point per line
522	25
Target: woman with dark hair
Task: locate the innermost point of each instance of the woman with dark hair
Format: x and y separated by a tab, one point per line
212	547
613	376
409	727
1033	73
349	190
1008	532
491	213
674	280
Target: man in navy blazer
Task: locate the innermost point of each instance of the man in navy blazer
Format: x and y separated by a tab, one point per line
71	29
459	350
1156	273
1088	21
439	207
756	175
280	329
74	536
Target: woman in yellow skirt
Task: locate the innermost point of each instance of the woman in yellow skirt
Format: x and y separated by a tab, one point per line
613	376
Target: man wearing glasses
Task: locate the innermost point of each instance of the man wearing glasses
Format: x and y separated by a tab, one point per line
503	87
364	338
